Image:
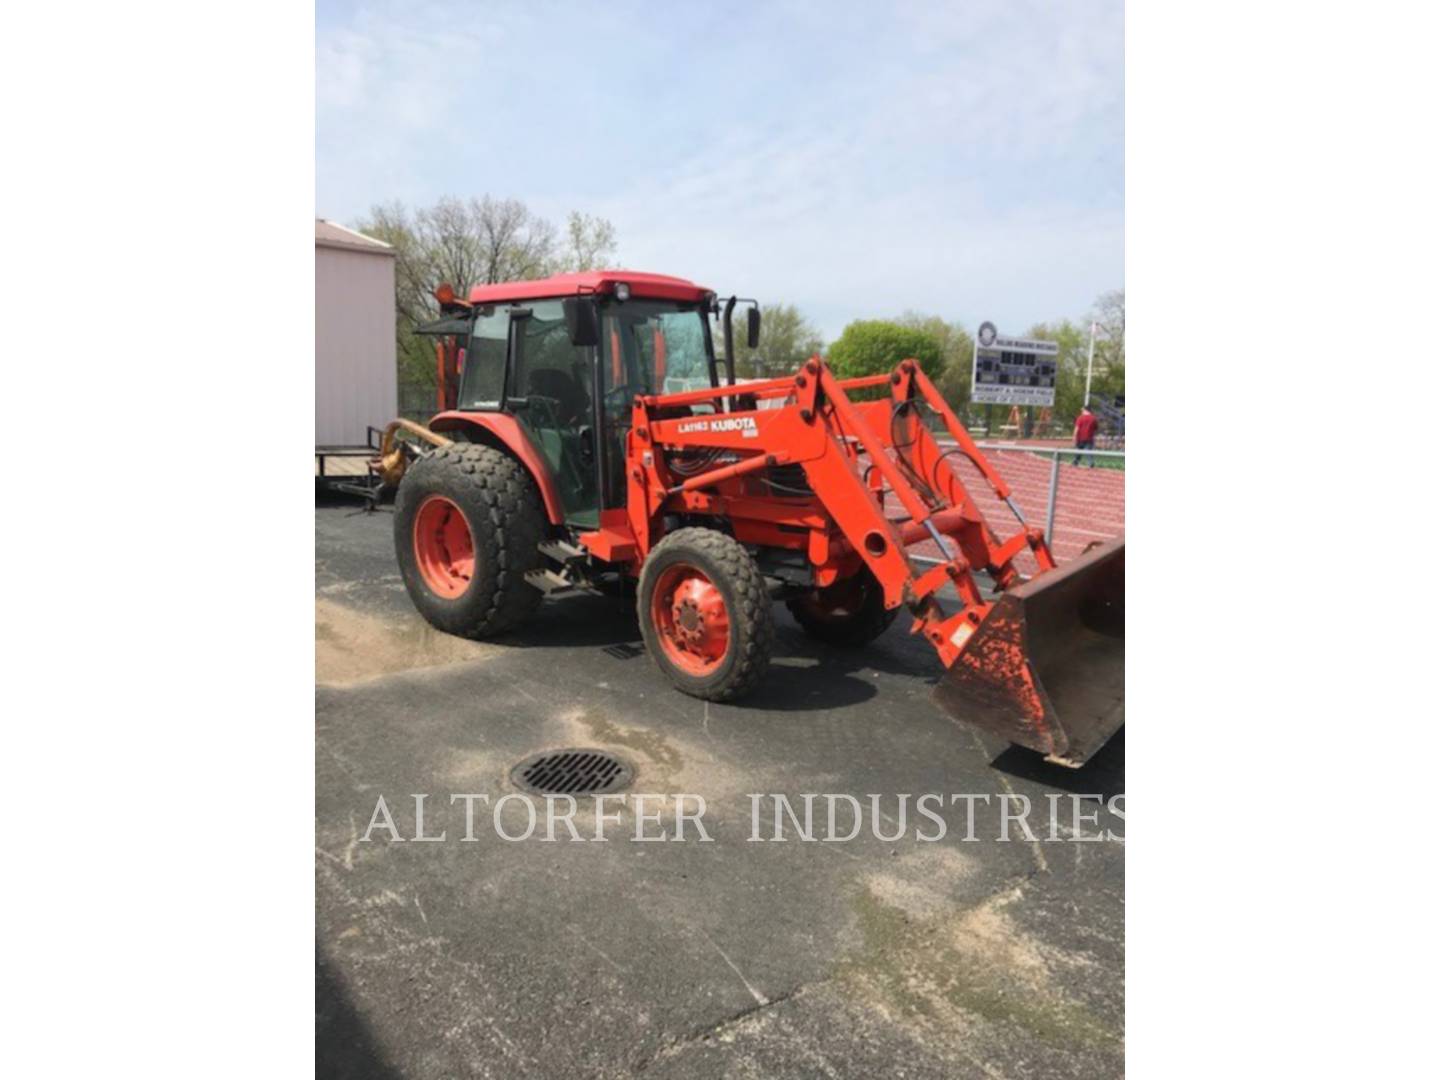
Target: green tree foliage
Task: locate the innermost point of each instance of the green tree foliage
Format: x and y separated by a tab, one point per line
1109	316
1074	340
869	347
957	350
465	242
590	242
787	340
957	353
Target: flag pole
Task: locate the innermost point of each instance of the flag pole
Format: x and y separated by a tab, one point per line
1090	364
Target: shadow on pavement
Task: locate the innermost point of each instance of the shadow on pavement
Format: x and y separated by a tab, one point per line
1103	774
327	496
345	1049
893	653
824	679
581	620
797	689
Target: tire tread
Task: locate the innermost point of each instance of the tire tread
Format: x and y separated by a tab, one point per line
752	610
504	497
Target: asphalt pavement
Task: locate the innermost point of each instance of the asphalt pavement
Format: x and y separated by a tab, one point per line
862	958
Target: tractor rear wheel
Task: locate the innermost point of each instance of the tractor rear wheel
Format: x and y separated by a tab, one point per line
705	614
851	612
468	525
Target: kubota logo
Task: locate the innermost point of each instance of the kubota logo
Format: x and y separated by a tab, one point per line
743	424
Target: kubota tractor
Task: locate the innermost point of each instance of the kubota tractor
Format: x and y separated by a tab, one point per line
586	432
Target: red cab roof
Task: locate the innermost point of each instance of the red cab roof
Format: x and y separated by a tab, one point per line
653	286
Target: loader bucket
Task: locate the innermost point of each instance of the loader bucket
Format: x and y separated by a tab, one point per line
1046	667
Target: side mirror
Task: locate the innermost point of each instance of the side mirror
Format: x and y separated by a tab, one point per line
582	319
752	327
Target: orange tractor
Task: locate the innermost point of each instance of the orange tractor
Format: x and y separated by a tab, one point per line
586	431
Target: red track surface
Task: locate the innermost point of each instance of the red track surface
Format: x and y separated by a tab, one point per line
1089	504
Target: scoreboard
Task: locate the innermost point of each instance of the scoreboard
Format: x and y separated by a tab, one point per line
1013	371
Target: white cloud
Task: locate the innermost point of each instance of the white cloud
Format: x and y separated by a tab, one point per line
962	159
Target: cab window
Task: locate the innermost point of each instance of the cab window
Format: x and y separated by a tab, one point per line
483	382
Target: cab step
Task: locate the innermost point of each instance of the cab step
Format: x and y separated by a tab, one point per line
550	581
562	550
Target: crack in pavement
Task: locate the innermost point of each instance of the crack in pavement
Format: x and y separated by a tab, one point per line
683	1042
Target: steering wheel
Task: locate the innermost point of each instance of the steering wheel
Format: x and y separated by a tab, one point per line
550	406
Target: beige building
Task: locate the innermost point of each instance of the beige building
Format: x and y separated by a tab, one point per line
354	335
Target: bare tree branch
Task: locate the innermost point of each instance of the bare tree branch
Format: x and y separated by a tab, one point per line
474	241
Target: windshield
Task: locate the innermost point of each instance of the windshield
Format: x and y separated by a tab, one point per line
646	347
654	347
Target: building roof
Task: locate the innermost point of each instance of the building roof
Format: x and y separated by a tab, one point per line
329	234
652	286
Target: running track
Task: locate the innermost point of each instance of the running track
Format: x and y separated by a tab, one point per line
1089	506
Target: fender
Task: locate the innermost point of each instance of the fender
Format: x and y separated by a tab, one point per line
505	433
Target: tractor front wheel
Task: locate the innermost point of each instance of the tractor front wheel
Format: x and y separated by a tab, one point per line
705	614
468	525
851	612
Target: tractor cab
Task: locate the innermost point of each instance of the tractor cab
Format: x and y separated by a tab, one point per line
565	357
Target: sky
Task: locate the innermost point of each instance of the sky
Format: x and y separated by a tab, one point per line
962	159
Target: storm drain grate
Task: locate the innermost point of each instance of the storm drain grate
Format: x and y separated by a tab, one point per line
572	772
625	651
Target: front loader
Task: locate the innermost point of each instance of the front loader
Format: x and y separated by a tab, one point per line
587	433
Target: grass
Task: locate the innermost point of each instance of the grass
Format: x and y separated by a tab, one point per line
1068	458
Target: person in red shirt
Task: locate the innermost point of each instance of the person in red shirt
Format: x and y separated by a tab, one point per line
1085	425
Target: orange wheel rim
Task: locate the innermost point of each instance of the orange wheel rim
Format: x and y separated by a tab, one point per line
691	620
444	548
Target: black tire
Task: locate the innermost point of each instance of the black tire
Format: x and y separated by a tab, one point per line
730	569
848	613
502	508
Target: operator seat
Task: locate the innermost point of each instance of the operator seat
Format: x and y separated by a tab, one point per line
559	385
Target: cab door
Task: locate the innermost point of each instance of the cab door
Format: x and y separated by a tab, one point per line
550	389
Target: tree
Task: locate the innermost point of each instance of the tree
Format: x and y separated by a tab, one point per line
1073	342
513	243
465	242
957	352
417	272
787	340
869	347
590	242
1109	315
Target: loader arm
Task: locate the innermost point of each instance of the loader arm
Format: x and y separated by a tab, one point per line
859	458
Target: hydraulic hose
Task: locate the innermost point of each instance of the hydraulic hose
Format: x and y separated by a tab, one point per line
392	461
